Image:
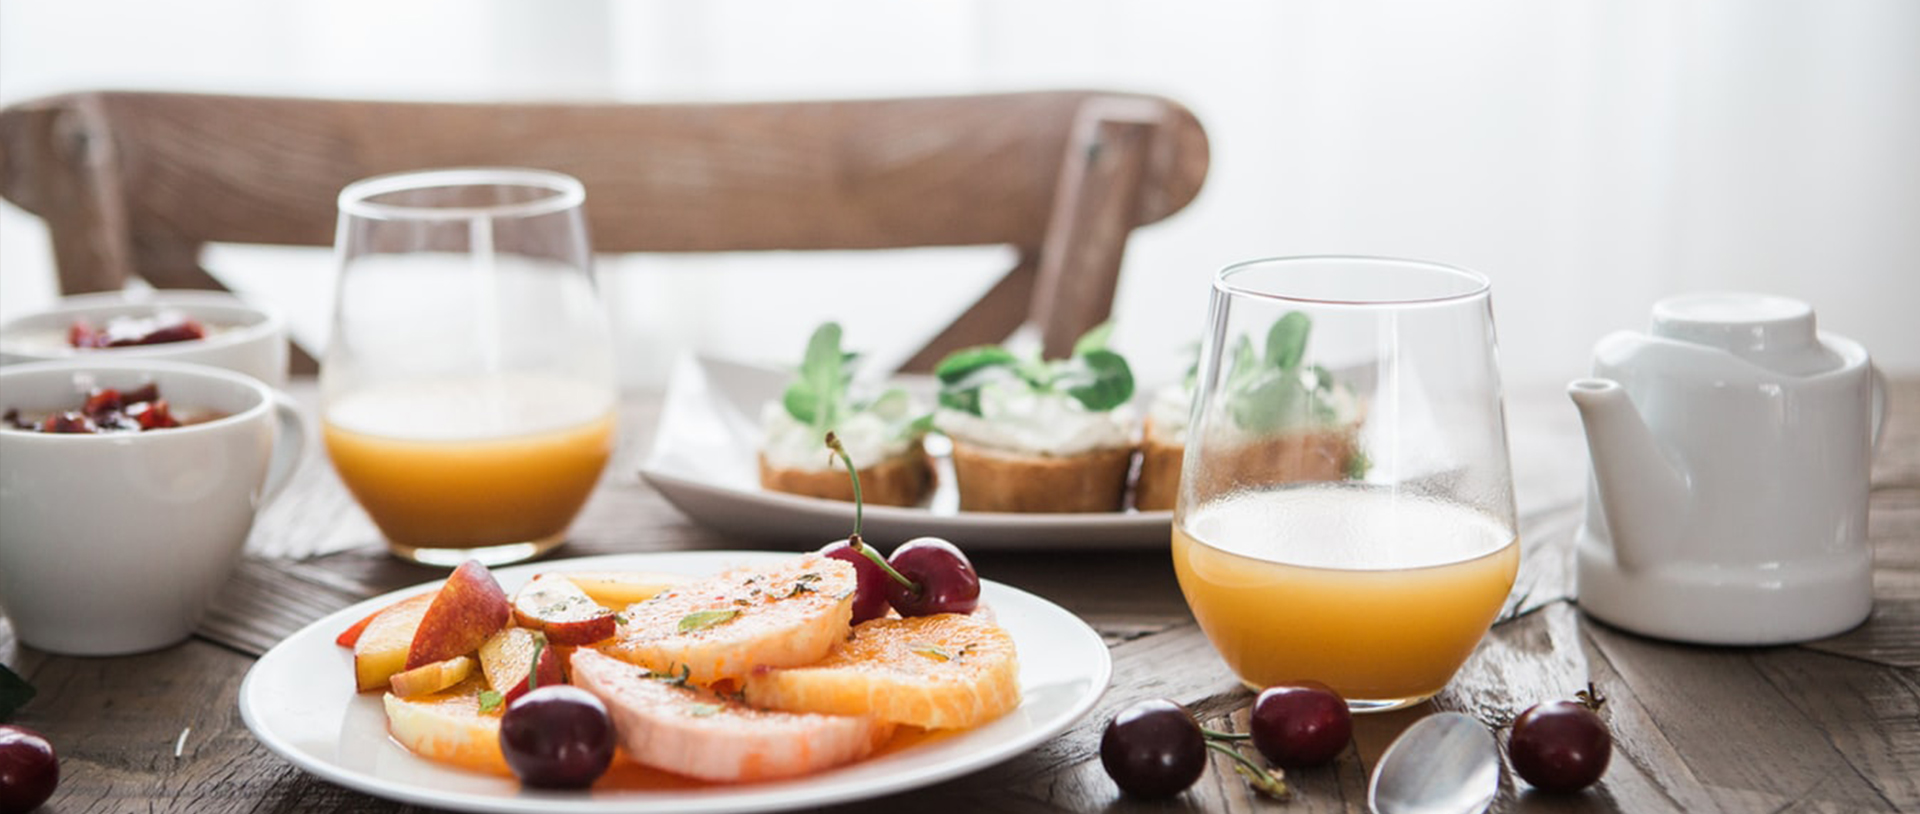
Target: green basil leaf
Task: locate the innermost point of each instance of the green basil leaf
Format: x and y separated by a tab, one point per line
1094	339
815	396
965	362
1274	400
1103	380
1287	340
964	372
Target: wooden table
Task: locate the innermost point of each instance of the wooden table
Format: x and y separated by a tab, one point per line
1832	725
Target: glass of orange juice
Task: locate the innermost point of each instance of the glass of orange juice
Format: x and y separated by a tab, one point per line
468	388
1345	511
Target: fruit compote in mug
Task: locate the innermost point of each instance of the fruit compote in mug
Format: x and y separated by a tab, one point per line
116	542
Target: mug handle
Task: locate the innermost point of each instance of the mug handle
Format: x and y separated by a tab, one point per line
289	445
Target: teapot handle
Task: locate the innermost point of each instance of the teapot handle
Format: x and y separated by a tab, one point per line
1879	415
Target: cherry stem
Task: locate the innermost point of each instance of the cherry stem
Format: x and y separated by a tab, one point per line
1590	697
853	540
1217	735
533	673
1264	780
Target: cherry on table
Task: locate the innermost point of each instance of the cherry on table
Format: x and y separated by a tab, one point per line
1304	723
29	770
1561	746
1153	749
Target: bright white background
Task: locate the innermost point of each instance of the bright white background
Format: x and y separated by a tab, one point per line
1588	156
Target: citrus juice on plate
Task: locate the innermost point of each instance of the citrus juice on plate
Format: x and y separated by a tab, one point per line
469	463
1380	596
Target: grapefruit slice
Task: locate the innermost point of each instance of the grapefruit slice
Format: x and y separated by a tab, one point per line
947	671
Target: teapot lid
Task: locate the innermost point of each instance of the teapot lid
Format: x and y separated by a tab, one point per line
1774	332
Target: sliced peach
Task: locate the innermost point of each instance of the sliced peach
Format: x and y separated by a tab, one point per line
469	608
507	661
449	727
553	605
618	589
428	678
381	649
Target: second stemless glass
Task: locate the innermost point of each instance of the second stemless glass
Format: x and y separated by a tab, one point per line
468	389
1346	507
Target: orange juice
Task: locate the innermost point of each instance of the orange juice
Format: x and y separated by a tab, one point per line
1380	597
503	467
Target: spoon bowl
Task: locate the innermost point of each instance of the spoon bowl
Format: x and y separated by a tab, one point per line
1446	763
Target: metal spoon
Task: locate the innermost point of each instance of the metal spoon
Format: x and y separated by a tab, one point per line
1444	764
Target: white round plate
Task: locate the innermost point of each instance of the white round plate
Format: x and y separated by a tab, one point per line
298	699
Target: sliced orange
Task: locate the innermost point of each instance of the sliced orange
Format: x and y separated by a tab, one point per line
946	671
727	626
449	727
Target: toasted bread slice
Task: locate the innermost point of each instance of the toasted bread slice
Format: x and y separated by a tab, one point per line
991	480
725	626
902	480
699	734
1157	485
1300	455
946	671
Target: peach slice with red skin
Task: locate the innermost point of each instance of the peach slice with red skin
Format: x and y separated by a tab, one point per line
552	604
507	660
469	608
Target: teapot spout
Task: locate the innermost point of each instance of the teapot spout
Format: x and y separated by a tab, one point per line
1642	491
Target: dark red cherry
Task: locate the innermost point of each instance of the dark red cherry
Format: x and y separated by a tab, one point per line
1300	724
29	770
557	736
1153	749
1560	746
870	591
943	579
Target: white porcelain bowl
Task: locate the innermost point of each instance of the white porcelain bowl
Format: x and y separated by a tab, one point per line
242	337
115	543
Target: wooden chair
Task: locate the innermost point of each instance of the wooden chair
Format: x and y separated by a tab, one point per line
136	184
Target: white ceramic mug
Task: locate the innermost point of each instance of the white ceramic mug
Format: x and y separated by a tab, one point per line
116	543
241	336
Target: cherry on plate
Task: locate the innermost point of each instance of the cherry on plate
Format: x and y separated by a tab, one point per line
558	736
943	579
870	581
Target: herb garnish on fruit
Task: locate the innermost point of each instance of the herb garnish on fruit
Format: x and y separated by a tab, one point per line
1096	377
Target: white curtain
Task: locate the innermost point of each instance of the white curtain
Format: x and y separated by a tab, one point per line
1590	157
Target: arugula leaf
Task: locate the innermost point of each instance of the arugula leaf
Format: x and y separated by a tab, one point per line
814	398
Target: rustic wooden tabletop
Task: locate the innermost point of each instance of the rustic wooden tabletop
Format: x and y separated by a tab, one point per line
1832	725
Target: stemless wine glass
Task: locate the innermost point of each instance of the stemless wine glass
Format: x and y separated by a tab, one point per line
1346	507
468	389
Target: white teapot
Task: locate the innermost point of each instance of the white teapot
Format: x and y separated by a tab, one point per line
1727	503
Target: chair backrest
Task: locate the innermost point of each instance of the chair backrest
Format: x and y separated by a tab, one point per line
135	184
